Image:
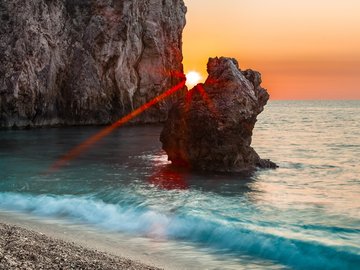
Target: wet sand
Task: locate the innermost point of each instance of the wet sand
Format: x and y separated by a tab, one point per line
26	249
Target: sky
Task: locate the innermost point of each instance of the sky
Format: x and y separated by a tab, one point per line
305	49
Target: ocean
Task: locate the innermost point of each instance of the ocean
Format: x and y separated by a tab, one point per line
303	215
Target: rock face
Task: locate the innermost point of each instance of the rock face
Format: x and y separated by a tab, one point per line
211	127
87	62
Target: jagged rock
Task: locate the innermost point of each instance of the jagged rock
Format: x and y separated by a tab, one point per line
87	62
211	127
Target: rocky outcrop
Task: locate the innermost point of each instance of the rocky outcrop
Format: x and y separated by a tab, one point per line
87	62
211	127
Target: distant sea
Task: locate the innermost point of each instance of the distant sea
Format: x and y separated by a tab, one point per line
304	215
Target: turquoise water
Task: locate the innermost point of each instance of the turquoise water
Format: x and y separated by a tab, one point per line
304	215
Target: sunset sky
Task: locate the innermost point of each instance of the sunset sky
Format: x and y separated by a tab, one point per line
305	49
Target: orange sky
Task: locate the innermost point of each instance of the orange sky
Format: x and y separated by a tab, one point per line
305	49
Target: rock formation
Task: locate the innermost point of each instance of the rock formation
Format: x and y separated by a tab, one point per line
87	62
211	127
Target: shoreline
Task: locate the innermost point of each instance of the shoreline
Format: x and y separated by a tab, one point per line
25	249
36	238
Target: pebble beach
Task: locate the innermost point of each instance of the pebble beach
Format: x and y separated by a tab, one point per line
25	249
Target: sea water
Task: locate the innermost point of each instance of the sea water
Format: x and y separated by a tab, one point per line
303	215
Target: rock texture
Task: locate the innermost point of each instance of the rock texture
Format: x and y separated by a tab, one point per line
211	128
87	62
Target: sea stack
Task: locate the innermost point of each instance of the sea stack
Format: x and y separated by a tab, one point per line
210	129
71	62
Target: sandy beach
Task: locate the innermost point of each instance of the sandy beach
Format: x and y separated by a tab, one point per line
26	249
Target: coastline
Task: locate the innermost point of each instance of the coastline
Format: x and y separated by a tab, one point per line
28	243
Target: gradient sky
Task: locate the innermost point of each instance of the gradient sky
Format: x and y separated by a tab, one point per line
305	49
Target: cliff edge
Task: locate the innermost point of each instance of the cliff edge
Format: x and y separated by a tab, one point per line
71	62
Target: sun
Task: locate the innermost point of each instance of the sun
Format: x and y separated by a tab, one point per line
192	79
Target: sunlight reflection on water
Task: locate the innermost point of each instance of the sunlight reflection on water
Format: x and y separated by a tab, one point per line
304	214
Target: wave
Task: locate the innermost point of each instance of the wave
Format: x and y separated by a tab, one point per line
220	235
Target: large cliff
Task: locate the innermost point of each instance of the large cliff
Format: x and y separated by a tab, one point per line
87	61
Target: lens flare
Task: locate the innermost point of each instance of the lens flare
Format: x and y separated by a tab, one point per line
78	150
204	95
192	78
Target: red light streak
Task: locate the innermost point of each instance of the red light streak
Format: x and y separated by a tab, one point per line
169	178
207	99
78	150
200	88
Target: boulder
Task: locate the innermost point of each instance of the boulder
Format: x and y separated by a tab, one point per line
211	128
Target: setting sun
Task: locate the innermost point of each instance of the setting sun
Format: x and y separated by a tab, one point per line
303	49
192	79
180	134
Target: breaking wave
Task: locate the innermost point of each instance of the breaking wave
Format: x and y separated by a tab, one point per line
222	235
